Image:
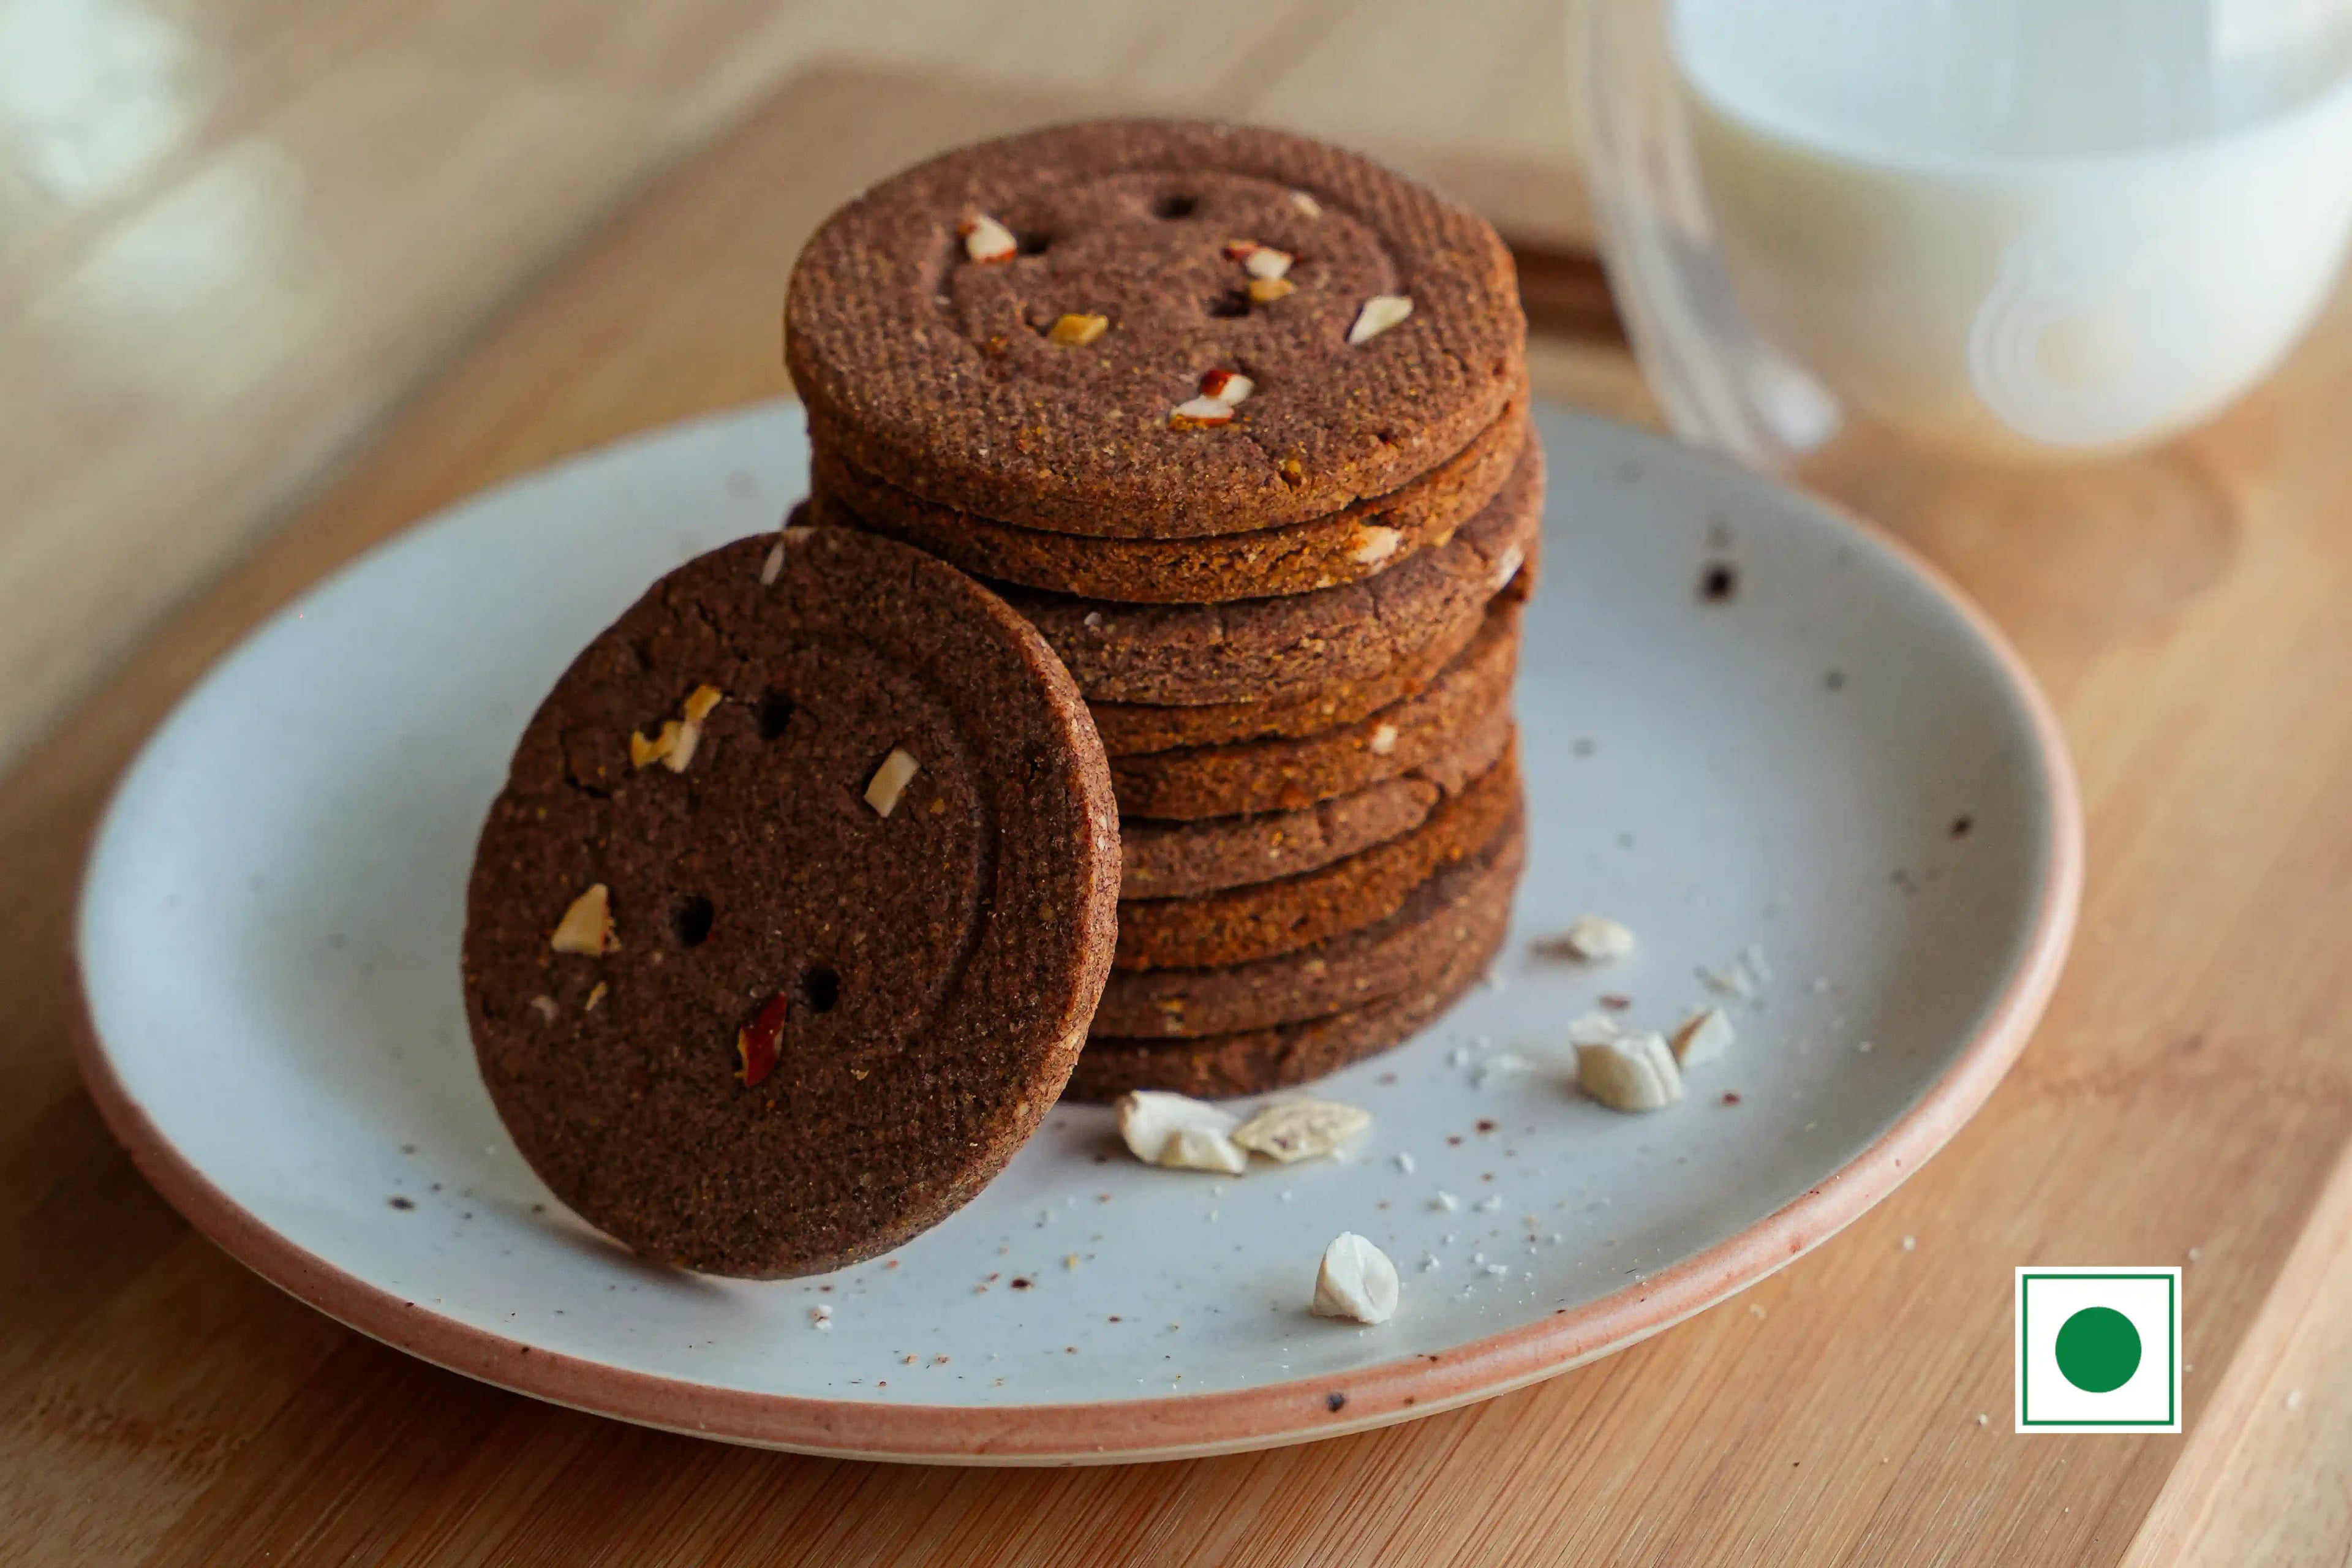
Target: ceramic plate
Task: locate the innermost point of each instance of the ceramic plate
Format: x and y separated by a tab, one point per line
1827	789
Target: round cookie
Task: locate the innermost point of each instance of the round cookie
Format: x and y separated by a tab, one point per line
1128	727
1474	692
749	996
1359	540
1257	1060
926	358
1242	925
1284	649
1179	859
1465	902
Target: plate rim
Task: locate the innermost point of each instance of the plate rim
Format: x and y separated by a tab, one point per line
1193	1425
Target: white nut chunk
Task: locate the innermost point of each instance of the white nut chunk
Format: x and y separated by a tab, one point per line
1704	1038
1597	939
1356	1281
587	925
1180	1132
1636	1072
1301	1129
890	781
985	239
1380	312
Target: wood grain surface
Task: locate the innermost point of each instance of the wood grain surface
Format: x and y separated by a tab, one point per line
2190	1090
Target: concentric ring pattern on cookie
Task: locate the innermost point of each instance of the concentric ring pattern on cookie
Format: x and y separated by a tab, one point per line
787	926
1016	329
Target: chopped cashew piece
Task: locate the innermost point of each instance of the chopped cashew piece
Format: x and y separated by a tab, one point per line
1200	413
1635	1073
1704	1038
1375	544
1356	1281
1179	1131
587	925
1266	261
889	782
1301	1129
985	239
1266	290
1597	939
1383	740
1380	312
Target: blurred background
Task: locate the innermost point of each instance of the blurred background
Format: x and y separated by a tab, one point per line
234	233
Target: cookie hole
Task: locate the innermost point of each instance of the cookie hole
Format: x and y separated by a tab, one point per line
774	713
1231	304
819	989
690	921
1173	207
1028	242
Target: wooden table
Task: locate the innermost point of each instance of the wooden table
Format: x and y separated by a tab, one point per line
2189	1097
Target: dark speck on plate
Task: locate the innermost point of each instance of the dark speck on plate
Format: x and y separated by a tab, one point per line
1834	680
1335	1402
1486	1124
402	1203
1718	582
1021	1283
1615	1002
1585	746
1730	1097
1963	825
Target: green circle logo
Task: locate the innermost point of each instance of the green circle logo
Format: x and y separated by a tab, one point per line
2098	1350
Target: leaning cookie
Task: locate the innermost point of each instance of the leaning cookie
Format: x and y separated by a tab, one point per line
1360	539
786	928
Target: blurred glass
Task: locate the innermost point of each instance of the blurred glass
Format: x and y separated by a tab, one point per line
2006	230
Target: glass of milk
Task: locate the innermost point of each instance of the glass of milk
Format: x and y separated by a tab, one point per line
2006	229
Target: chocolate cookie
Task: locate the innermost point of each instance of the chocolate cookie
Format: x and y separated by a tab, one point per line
1357	542
1472	695
1011	329
1261	650
1242	925
1465	903
1179	859
1128	727
1257	1060
787	925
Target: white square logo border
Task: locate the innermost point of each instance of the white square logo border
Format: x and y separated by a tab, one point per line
2046	1298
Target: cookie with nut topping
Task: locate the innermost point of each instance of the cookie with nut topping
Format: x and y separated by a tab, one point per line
786	928
1152	329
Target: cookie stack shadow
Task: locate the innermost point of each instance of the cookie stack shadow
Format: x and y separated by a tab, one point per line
1295	626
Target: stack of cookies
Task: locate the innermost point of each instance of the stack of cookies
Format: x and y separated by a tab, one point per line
1238	422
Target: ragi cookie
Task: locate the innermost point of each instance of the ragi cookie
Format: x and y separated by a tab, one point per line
1473	694
1128	727
1242	925
1359	540
1253	1062
1179	859
1464	903
1283	650
787	926
1011	330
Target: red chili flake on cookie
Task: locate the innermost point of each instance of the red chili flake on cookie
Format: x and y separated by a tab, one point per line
756	1043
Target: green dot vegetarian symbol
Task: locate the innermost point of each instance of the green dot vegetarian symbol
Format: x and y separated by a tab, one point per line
2098	1350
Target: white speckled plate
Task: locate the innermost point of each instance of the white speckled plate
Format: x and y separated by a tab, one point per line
1838	776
